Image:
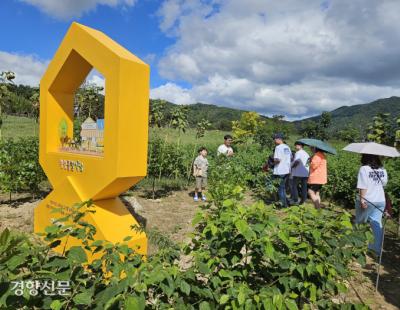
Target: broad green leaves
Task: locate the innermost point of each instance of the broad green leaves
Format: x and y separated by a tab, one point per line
241	256
77	255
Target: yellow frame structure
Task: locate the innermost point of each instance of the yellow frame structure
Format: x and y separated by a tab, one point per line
124	161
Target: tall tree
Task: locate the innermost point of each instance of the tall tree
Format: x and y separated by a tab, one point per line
246	128
179	118
309	129
380	129
201	128
35	102
397	136
6	78
179	121
89	102
157	113
348	134
323	126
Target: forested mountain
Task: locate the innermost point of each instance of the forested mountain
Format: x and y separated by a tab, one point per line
220	117
360	115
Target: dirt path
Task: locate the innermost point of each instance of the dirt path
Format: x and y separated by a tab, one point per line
173	214
19	218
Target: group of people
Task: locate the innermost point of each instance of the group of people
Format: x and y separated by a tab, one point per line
298	170
305	176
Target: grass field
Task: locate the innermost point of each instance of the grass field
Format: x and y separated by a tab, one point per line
188	137
15	127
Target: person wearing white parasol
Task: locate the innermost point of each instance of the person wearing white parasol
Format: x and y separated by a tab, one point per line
370	205
372	178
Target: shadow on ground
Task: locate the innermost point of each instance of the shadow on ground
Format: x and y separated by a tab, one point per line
140	219
17	199
162	192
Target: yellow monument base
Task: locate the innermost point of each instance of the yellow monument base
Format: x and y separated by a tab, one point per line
111	218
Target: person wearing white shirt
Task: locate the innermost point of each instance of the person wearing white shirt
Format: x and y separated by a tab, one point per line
300	171
372	178
226	149
282	160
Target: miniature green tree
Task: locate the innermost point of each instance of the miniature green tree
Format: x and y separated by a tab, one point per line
63	131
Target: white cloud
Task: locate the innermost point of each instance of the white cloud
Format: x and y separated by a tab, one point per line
27	68
67	9
96	78
170	12
173	93
296	57
150	58
305	98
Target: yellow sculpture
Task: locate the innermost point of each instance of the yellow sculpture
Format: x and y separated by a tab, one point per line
78	177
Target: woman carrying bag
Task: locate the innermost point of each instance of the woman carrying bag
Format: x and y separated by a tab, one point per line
372	178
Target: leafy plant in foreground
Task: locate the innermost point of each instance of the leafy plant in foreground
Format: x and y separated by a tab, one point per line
253	258
240	257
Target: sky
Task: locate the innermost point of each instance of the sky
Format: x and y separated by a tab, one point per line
291	57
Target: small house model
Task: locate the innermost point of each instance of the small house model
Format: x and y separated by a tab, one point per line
92	135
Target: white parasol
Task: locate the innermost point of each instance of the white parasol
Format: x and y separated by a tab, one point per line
373	149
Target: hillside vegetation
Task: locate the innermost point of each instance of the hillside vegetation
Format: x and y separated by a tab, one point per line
219	117
357	116
360	115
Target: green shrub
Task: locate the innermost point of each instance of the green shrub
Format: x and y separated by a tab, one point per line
19	165
245	169
251	257
393	187
342	178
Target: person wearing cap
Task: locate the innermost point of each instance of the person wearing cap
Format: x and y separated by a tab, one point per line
300	171
282	161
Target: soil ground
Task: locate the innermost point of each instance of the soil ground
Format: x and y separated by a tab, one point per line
172	216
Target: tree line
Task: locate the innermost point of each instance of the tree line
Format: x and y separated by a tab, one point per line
89	101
